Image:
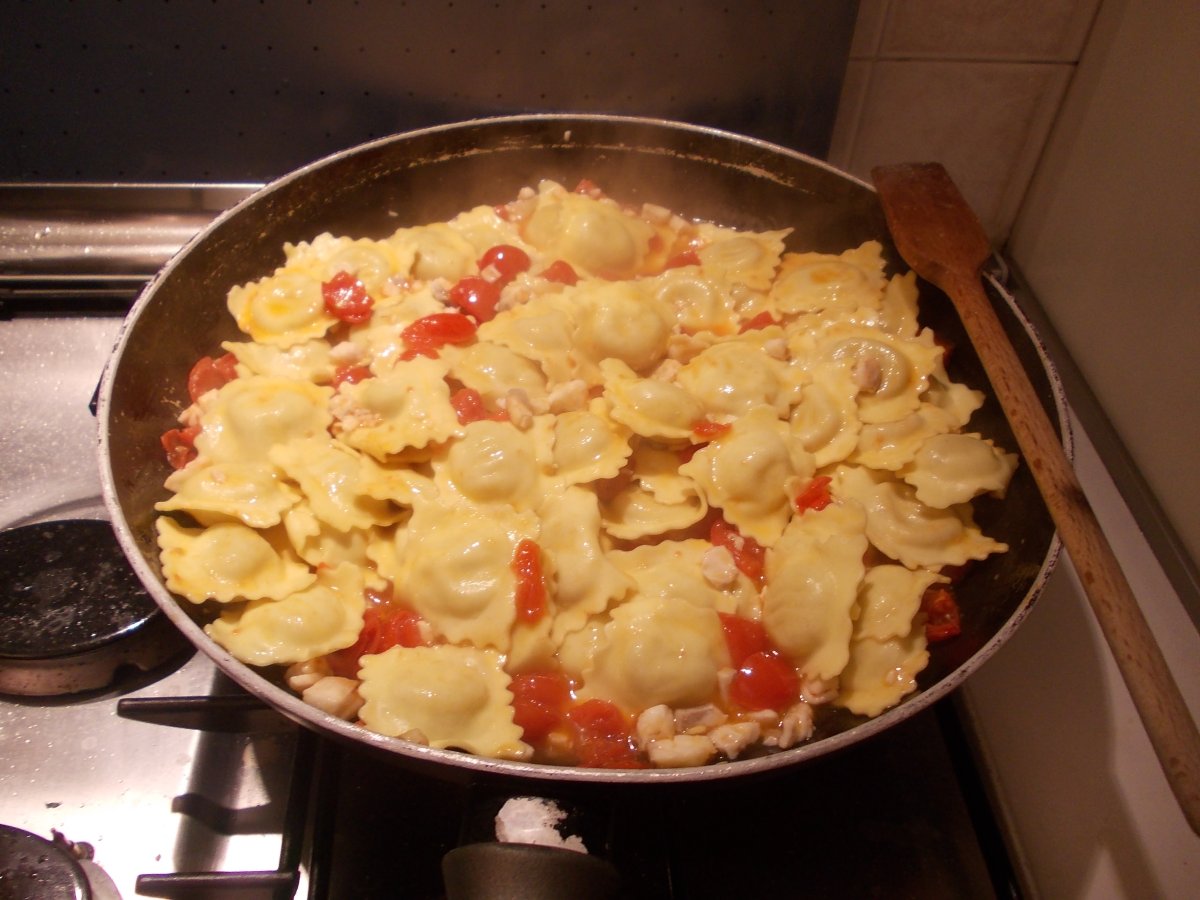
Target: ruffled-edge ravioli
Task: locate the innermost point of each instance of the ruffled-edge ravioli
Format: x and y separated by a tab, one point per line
244	418
589	445
595	235
825	421
650	407
493	371
892	445
583	581
310	361
891	372
657	500
318	544
675	569
812	582
335	479
697	303
955	468
444	696
746	258
828	283
658	650
734	376
889	600
251	492
493	462
320	619
228	562
907	530
408	407
881	673
543	331
436	249
455	568
747	471
283	309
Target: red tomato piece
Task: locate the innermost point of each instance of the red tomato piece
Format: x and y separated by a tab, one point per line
468	408
561	272
765	680
762	320
506	259
603	737
350	375
706	429
385	625
531	586
427	335
943	619
744	637
539	701
346	298
815	494
589	187
208	374
477	297
748	554
180	445
686	258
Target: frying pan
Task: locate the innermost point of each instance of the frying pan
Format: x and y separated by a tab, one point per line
432	174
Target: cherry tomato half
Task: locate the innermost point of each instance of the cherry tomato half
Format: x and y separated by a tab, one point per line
476	296
209	374
427	335
814	495
531	586
744	637
346	298
765	680
539	701
561	272
748	555
603	737
507	260
180	445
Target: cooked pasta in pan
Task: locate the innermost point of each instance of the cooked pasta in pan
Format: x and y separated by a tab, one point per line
576	482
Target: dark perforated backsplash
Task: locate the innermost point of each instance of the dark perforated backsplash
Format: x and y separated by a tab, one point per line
245	90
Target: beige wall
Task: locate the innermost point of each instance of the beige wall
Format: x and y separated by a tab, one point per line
1109	236
1073	128
973	84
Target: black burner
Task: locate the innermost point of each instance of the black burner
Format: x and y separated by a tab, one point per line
72	611
31	866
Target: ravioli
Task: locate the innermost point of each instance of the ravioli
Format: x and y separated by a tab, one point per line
570	473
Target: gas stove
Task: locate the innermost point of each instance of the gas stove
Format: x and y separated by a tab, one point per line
132	767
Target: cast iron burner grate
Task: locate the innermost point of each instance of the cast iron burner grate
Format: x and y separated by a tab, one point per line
72	612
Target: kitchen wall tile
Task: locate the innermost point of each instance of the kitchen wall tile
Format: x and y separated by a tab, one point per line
850	112
868	28
1031	30
986	122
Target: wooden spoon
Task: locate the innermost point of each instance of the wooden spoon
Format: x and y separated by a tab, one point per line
940	237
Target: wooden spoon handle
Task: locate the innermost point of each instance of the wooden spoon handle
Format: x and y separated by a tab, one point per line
1155	694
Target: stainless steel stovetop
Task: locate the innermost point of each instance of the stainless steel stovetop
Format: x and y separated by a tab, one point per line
122	771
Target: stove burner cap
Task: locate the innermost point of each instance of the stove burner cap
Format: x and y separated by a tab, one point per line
67	589
31	866
72	611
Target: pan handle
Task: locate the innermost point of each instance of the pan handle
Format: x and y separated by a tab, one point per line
506	871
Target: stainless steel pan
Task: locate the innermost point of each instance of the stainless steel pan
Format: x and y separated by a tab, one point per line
432	174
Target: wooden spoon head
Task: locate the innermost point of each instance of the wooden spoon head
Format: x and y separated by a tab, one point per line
934	229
